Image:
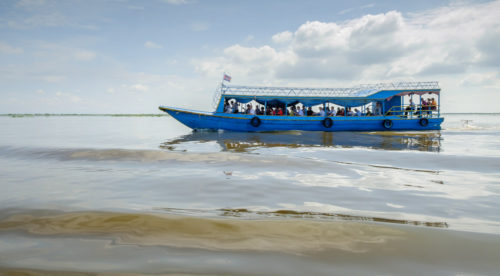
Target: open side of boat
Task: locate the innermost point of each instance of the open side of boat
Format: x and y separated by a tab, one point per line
391	113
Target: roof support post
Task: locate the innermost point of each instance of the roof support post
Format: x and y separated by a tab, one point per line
421	108
439	105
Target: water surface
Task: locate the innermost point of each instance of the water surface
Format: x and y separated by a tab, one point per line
146	195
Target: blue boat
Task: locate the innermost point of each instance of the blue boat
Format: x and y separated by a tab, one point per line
373	107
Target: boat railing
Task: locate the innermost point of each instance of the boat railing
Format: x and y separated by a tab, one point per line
216	97
415	111
355	91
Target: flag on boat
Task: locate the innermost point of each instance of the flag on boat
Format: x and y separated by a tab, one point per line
227	78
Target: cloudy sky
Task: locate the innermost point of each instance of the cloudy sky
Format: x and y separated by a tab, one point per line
130	56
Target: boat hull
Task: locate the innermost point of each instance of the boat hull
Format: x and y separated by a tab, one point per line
243	122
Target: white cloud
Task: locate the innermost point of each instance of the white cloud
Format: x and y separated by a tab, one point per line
485	80
152	45
7	49
447	41
237	58
282	37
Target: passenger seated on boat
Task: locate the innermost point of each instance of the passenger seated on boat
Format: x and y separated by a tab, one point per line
250	109
280	112
357	112
331	112
410	108
270	111
321	112
407	111
340	112
292	111
428	107
368	112
423	105
433	104
349	112
234	107
300	111
309	111
227	108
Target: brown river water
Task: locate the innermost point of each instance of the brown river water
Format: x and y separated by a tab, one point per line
144	195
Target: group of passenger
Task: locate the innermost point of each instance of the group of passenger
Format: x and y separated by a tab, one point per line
425	107
294	110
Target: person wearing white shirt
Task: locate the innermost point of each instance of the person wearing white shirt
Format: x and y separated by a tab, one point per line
252	110
321	112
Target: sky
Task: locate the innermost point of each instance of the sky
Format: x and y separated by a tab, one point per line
130	56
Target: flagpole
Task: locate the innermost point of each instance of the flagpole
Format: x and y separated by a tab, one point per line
222	83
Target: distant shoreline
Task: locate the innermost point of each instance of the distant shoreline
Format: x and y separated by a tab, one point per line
160	115
80	115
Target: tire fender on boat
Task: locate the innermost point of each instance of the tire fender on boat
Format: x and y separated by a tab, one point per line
387	124
255	121
327	122
423	122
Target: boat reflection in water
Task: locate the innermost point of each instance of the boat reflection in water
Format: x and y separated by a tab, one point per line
244	141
